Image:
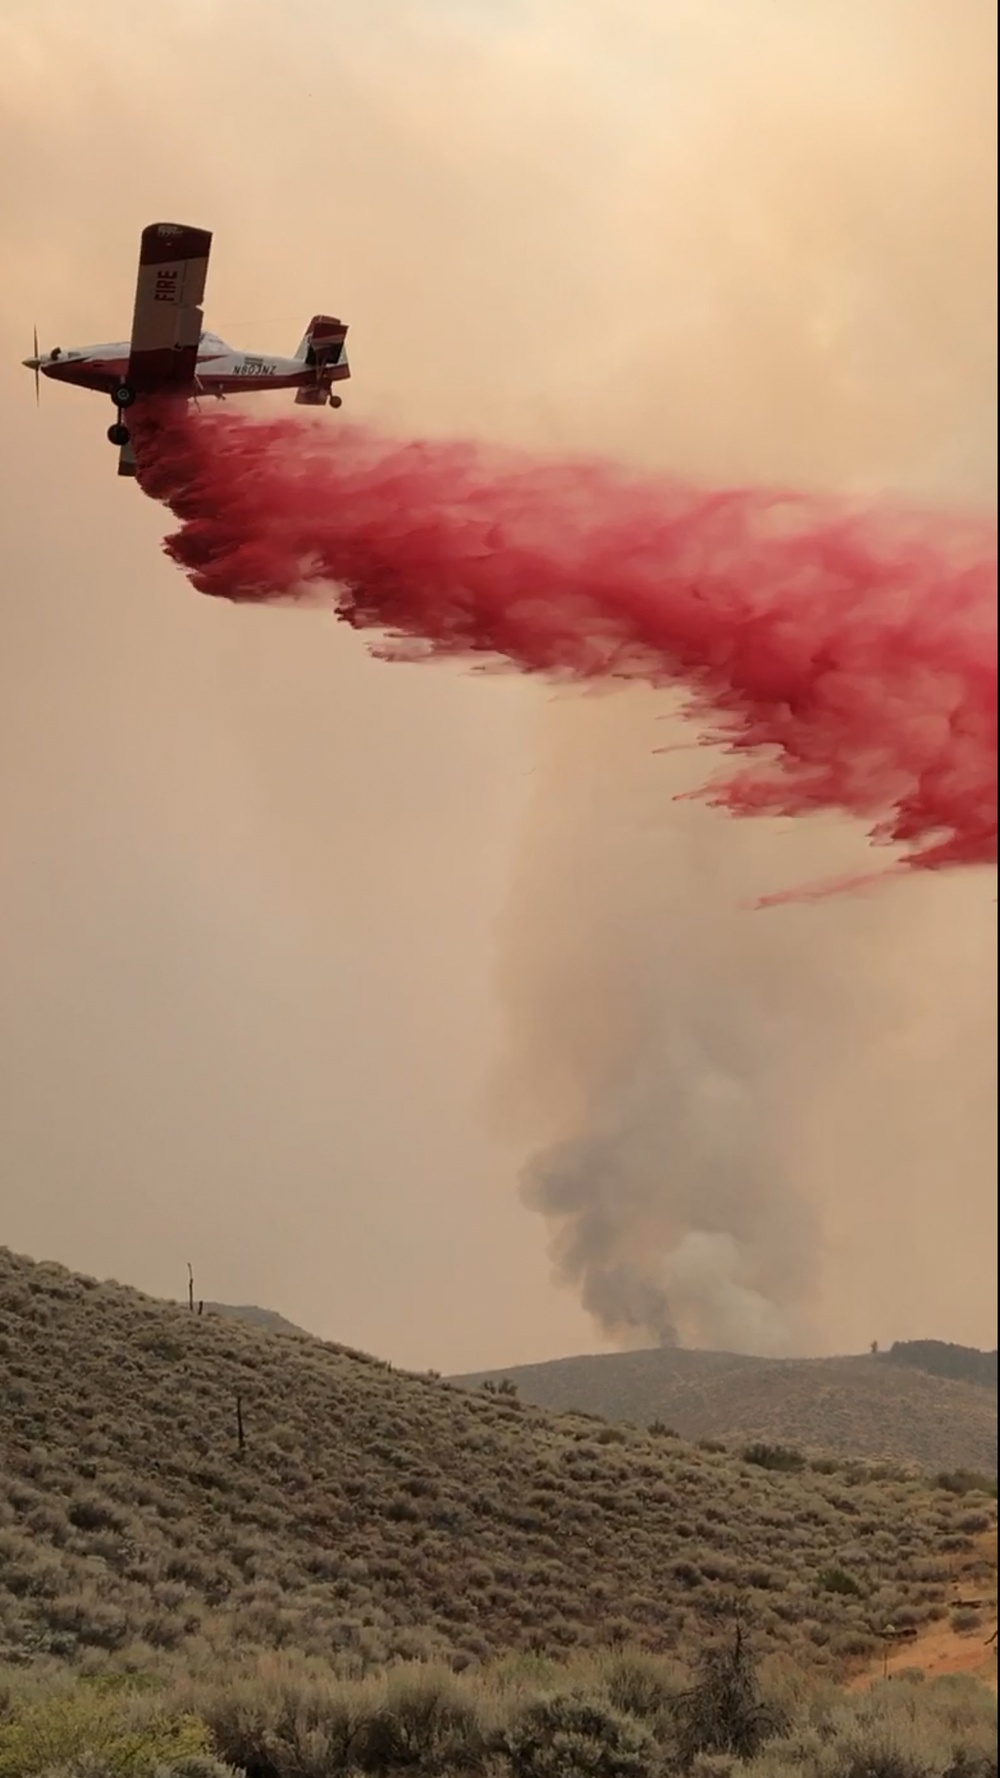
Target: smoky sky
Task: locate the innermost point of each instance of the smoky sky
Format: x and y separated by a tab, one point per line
278	921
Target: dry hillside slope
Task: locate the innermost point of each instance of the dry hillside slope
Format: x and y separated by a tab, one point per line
857	1406
266	1318
963	1642
372	1515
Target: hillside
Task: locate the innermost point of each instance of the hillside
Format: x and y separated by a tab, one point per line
856	1406
380	1515
267	1318
941	1358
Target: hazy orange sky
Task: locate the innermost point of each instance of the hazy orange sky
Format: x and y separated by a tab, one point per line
302	956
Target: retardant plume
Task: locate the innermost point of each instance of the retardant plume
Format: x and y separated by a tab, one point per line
849	654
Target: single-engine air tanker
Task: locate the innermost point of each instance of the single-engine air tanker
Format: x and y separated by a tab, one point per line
170	354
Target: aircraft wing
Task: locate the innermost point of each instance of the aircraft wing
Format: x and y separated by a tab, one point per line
167	320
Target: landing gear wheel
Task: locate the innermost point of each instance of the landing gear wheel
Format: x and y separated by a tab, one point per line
336	401
118	434
123	396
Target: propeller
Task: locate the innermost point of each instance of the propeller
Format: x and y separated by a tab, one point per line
38	380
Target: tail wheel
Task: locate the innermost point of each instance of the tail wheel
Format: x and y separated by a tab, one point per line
118	434
123	395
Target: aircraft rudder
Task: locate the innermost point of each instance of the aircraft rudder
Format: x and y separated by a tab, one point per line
323	340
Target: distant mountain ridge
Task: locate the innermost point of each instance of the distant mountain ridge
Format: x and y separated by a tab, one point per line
858	1405
940	1358
875	1407
936	1358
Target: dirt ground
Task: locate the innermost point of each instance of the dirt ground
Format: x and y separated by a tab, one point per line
941	1648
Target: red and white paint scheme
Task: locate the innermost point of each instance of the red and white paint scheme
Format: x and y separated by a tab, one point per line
169	353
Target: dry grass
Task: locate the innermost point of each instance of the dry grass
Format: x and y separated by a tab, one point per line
859	1407
375	1516
610	1716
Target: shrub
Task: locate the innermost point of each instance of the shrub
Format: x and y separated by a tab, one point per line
200	1765
424	1722
837	1580
638	1684
974	1523
966	1481
725	1711
783	1457
576	1736
90	1513
125	1737
938	1729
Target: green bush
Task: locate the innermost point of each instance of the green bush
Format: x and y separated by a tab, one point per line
639	1685
781	1457
200	1765
118	1736
837	1580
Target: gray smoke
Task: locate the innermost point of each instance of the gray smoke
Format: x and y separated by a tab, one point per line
742	1120
664	1036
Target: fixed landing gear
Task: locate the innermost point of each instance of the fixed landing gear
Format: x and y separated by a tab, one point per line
336	401
123	396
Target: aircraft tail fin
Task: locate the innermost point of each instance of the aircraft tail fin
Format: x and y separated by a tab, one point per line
323	345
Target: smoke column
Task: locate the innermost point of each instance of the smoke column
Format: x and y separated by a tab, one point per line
850	655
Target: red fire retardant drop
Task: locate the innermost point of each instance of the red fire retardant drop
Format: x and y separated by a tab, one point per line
850	655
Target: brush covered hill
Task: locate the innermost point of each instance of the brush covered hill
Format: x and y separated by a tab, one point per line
860	1407
942	1358
266	1318
371	1515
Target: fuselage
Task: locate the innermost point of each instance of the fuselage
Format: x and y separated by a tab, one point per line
221	369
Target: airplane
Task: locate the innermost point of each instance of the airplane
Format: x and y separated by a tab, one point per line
169	353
